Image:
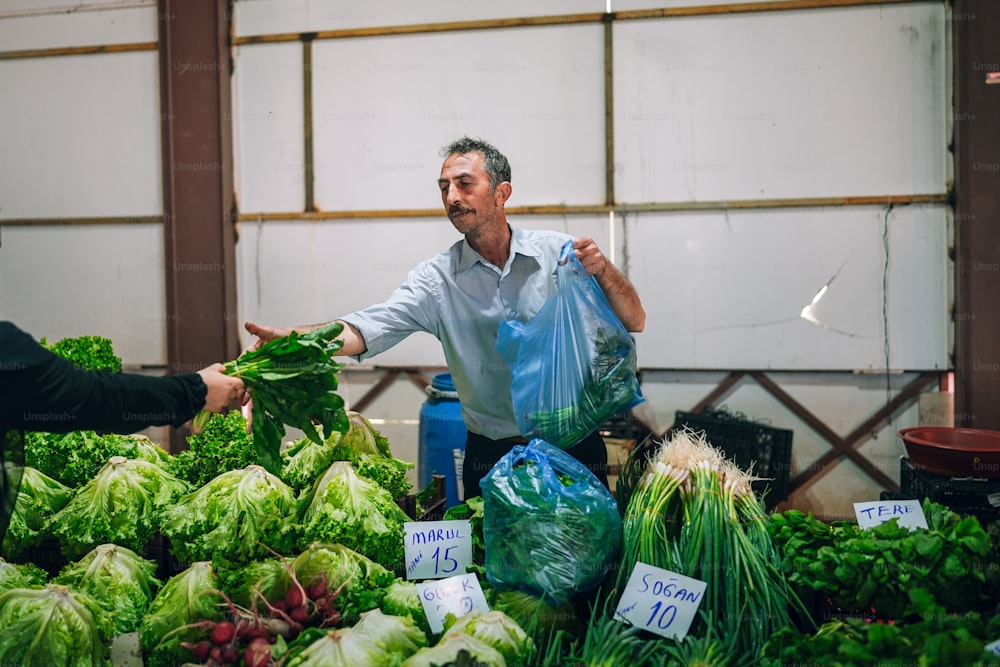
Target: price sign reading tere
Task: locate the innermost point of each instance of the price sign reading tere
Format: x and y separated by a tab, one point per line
910	513
437	549
455	595
660	601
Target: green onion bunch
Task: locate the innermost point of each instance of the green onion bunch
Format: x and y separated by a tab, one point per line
693	512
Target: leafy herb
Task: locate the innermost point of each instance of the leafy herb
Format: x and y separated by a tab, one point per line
238	516
896	571
344	507
90	353
74	458
38	498
222	445
610	386
121	581
293	381
121	505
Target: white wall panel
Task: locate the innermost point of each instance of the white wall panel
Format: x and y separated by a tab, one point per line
68	281
27	30
268	127
80	136
782	104
727	291
384	106
302	273
261	17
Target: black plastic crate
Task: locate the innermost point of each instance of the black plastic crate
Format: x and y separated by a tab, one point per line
433	500
764	449
967	496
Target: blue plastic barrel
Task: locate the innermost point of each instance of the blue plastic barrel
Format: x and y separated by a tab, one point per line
442	438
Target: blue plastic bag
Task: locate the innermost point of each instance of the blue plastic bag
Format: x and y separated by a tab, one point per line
573	364
551	528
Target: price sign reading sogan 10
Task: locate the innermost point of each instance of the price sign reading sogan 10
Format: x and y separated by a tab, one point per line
660	601
437	549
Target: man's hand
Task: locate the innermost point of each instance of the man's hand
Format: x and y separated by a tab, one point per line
265	334
593	260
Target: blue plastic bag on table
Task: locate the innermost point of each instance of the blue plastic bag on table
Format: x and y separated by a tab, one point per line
550	527
573	364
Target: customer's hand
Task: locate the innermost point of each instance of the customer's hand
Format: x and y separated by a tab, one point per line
222	389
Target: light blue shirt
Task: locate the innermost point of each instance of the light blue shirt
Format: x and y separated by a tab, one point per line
461	298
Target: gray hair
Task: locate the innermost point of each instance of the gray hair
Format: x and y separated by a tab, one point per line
494	162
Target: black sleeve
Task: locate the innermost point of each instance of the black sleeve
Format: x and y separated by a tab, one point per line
42	392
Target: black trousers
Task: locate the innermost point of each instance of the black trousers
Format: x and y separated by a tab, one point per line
481	454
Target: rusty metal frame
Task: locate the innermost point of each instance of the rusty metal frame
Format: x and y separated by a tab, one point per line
841	447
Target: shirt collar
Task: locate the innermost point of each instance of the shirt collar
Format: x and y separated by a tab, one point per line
519	245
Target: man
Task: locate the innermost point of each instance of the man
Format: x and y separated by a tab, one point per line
496	272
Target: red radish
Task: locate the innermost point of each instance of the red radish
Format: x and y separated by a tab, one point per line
317	589
199	649
256	629
257	653
223	633
294	597
280	604
299	614
229	654
216	654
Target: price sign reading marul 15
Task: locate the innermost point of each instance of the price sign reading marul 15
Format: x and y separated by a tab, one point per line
437	549
660	601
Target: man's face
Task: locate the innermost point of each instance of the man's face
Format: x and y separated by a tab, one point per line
465	192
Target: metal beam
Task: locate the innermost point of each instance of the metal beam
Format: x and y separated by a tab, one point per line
975	26
198	203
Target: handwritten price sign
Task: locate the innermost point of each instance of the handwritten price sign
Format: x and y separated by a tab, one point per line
910	513
660	601
437	549
455	595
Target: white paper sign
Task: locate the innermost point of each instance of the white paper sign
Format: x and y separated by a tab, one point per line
994	648
909	512
437	549
456	595
660	601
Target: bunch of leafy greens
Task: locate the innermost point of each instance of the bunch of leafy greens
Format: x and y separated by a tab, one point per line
499	631
472	511
550	526
121	505
536	615
361	581
185	599
341	647
363	446
343	507
121	581
50	626
238	516
38	498
609	387
74	458
90	353
942	640
457	648
223	444
20	575
399	636
293	381
402	598
887	566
